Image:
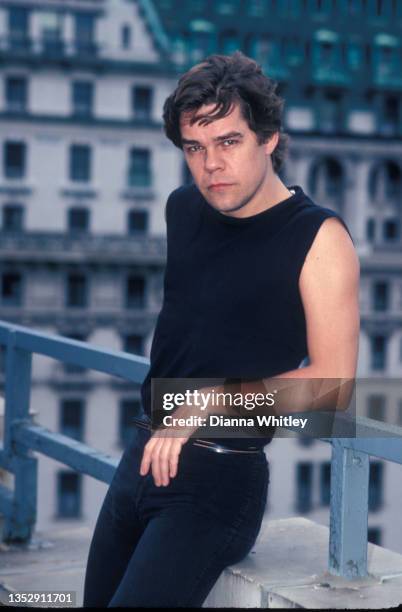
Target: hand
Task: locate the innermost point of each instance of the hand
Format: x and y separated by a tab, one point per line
162	451
164	447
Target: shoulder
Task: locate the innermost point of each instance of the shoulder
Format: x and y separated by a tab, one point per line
332	256
332	238
312	215
329	248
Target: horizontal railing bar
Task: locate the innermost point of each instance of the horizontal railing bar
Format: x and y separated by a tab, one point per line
102	359
79	456
389	449
367	428
363	434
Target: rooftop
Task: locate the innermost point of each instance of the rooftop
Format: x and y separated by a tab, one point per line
298	577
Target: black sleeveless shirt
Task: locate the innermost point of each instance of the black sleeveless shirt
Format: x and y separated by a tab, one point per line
232	306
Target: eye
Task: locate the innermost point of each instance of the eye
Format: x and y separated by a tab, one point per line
228	142
193	148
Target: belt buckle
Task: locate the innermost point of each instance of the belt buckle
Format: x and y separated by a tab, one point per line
218	448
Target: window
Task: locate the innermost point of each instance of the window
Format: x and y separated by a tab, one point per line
376	407
142	102
135	292
11	289
378	352
69	494
180	49
78	219
18	27
82	98
380	296
129	408
140	168
72	418
304	481
305	440
326	55
374	535
134	343
370	229
14	160
386	60
385	181
16	94
80	163
77	291
51	29
125	36
376	482
389	122
71	368
331	113
378	8
255	8
391	230
294	51
12	218
325	482
201	42
355	56
137	221
326	179
84	33
227	7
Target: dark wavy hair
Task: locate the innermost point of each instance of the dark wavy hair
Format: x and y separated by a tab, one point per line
225	80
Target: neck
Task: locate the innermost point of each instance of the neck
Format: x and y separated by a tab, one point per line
271	191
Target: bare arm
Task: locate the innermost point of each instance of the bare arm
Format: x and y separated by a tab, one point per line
329	288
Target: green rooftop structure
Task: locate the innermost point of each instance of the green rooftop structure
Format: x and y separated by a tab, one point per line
336	55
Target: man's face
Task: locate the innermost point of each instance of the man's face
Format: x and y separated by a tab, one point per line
228	165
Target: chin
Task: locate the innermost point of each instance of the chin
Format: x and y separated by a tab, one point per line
230	207
219	202
224	207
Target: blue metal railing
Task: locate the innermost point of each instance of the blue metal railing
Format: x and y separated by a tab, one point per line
349	462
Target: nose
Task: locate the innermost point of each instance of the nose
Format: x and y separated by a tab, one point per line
212	160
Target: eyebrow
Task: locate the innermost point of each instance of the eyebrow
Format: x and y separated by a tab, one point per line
216	139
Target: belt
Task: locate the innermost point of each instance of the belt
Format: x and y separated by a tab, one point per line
217	448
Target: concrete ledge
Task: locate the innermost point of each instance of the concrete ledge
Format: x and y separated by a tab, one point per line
55	560
288	569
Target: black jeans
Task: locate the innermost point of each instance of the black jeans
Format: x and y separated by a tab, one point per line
167	546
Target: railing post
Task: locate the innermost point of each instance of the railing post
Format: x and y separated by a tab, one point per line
348	511
20	522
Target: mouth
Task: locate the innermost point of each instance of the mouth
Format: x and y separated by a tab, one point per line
218	186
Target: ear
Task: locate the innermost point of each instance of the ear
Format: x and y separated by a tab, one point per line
271	143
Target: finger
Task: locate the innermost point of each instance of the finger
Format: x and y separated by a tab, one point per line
164	458
174	457
156	472
147	456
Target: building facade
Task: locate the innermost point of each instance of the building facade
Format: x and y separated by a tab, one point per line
85	173
86	169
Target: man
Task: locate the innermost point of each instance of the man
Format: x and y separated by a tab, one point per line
257	277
